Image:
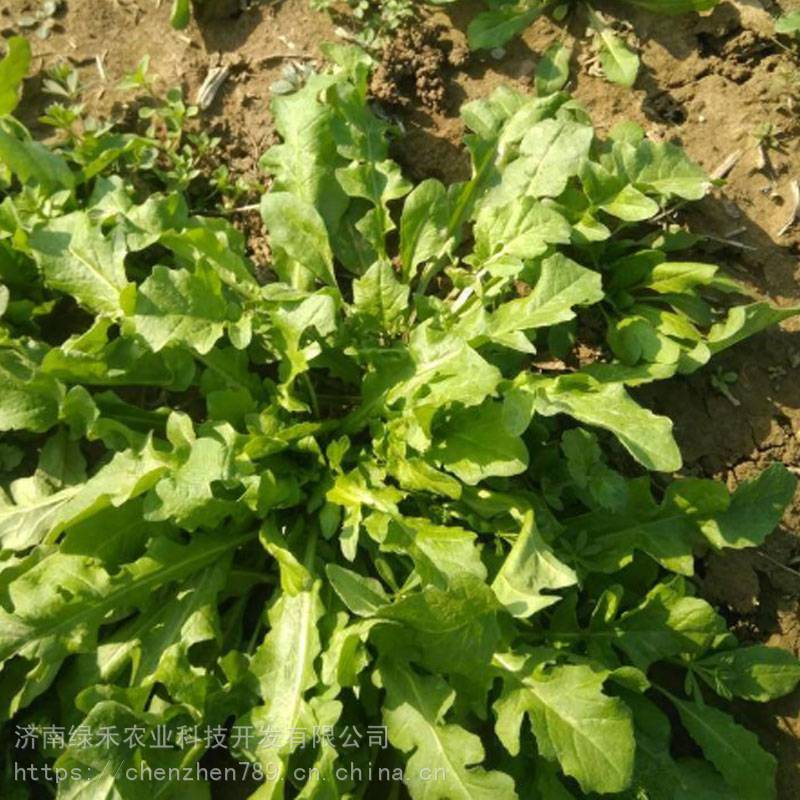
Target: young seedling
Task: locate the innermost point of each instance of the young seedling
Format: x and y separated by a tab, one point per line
619	63
722	380
43	19
768	138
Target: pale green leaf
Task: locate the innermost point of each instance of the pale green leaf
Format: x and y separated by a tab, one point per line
473	445
451	631
663	168
414	711
284	668
297	231
76	258
494	28
788	23
13	69
747	768
552	71
530	568
621	66
29	398
755	510
551	152
304	163
756	672
521	230
423	225
447	370
43	516
589	733
174	306
667	623
562	284
646	436
379	294
631	205
441	553
363	596
45	627
742	322
32	161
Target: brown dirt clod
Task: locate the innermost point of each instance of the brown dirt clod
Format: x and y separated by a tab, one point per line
411	66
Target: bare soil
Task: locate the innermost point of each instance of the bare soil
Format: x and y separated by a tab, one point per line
706	83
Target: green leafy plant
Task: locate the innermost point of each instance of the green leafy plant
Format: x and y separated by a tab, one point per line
619	63
346	497
376	19
722	380
505	19
181	14
788	24
168	153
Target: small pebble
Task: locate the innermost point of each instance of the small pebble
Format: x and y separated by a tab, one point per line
527	67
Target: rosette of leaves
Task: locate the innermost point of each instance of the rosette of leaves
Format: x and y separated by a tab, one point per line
346	496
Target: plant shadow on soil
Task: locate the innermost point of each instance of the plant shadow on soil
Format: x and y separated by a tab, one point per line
229	30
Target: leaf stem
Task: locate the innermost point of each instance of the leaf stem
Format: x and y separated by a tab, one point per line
312	395
311	549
